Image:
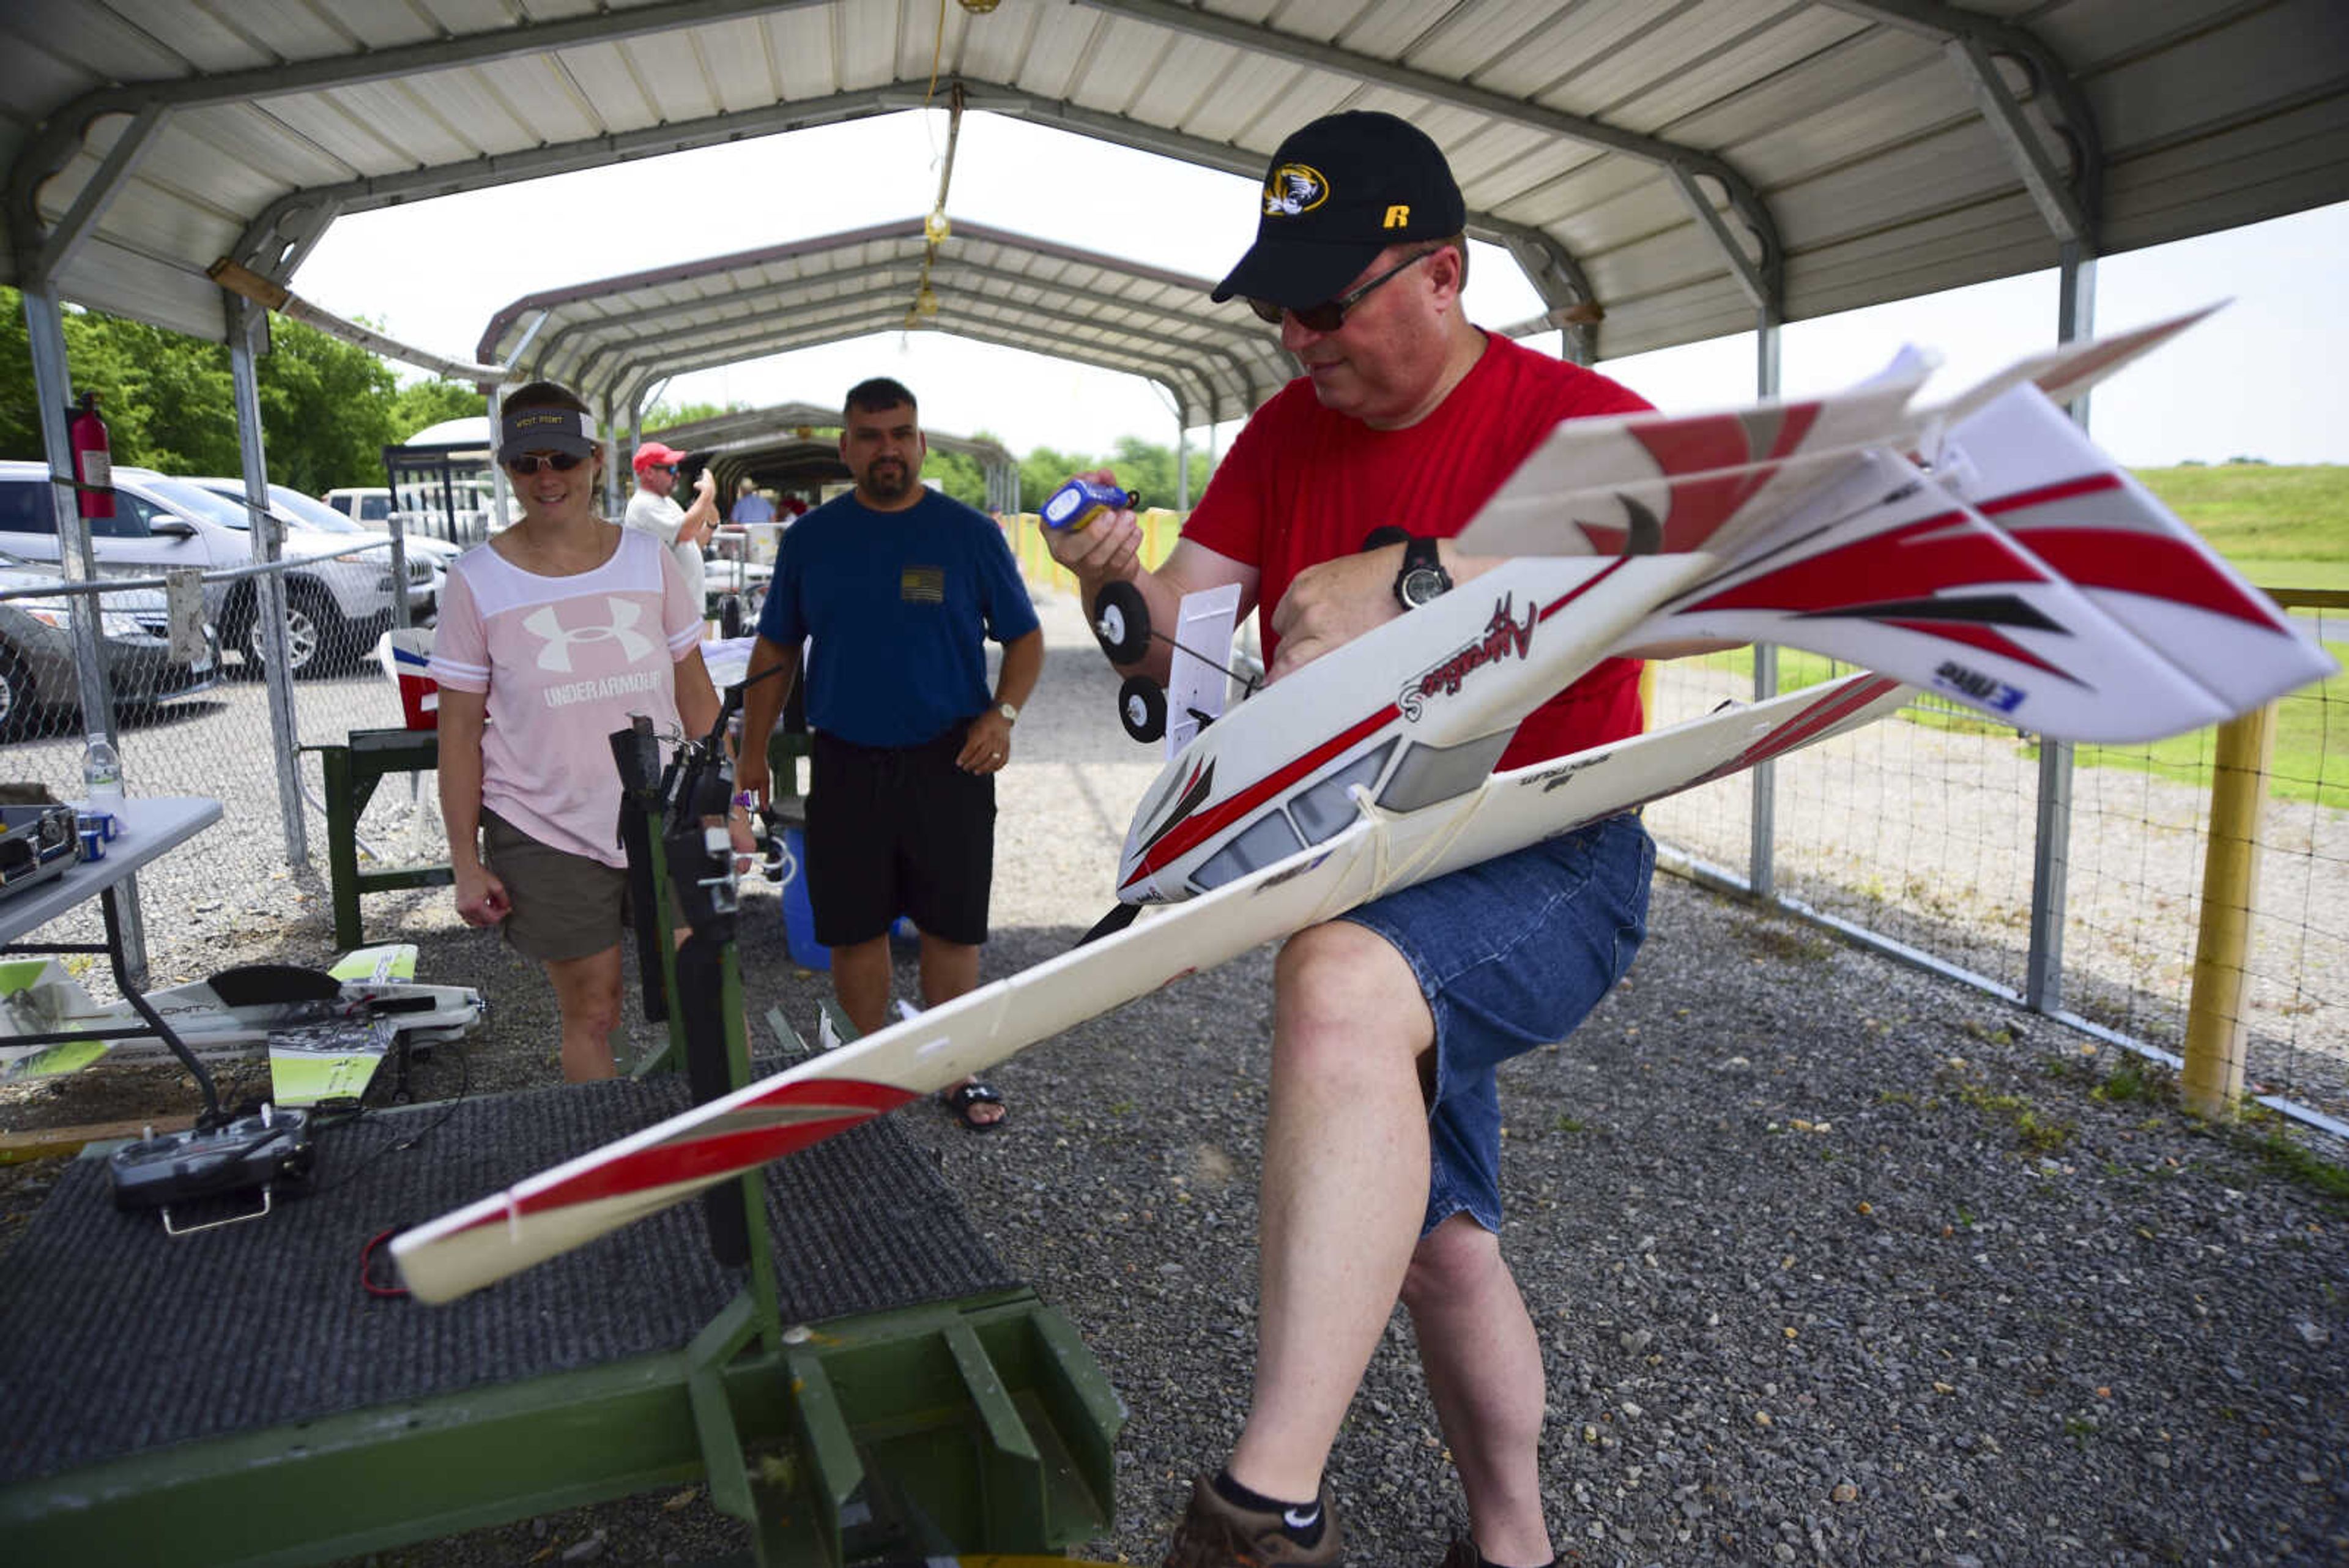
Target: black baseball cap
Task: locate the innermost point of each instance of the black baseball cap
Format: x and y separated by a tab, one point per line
544	429
1337	193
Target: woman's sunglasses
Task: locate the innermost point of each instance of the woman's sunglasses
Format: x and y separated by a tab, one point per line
1330	313
527	463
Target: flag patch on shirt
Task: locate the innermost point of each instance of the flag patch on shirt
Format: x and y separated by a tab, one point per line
923	584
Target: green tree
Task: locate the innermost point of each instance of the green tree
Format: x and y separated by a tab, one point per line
957	474
662	416
422	404
326	405
1148	468
1044	470
20	421
168	401
325	410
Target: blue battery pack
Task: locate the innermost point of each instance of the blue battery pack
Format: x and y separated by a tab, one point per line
1075	504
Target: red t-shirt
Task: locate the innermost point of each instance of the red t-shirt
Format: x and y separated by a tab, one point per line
1303	485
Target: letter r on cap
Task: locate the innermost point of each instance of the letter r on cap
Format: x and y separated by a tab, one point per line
1398	217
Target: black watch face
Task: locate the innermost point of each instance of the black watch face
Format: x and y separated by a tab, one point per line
1423	585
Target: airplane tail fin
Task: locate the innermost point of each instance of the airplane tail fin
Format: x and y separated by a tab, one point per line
2036	476
1895	570
2067	373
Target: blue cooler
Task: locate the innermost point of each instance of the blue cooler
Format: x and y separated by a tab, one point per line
799	915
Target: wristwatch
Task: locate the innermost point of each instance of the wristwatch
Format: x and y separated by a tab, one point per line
1423	579
1010	711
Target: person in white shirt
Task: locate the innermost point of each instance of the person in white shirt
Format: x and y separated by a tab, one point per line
681	528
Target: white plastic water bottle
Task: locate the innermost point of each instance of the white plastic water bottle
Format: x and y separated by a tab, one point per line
101	775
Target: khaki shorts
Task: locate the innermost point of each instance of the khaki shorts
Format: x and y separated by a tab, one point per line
565	906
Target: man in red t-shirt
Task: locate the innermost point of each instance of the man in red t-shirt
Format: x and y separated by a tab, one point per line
1382	1155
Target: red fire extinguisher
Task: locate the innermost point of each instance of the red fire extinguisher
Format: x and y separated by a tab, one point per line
93	460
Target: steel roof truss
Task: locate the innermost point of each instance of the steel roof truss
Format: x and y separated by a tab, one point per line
2070	201
1683	164
730	336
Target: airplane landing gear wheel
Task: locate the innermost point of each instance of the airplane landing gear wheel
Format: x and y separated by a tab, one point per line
1122	622
1141	707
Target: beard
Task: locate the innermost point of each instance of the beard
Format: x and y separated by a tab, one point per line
889	479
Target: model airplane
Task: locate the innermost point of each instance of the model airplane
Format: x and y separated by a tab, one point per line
325	1029
1919	542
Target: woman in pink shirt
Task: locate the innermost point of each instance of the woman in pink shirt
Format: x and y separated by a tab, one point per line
552	635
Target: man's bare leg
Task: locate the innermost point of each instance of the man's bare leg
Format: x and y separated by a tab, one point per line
860	981
1343	1193
949	969
1483	1363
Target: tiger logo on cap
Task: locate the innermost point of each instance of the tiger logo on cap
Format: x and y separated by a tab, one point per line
1293	189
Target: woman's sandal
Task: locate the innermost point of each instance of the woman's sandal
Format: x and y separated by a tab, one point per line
961	1098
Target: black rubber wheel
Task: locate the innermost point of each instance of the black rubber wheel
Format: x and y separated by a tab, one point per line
1122	622
1141	707
316	639
19	704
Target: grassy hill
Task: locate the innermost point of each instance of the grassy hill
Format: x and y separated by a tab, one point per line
2282	527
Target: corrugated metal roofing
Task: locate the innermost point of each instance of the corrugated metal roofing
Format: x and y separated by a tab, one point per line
1675	165
626	332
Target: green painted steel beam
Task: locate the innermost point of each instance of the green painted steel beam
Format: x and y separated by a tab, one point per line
869	1411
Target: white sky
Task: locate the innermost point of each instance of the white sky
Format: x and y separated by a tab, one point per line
2262	379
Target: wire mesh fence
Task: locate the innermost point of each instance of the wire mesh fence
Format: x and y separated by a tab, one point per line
194	729
1937	833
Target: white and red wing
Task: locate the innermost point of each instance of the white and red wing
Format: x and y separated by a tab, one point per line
1377	852
2036	475
1649	483
1889	571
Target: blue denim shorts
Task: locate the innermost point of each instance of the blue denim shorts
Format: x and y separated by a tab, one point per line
1511	954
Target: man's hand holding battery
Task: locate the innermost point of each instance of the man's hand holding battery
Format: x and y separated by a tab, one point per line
1106	548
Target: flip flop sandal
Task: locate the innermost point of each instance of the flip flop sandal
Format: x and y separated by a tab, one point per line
960	1101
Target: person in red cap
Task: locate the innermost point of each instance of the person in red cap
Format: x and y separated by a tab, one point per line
1334	513
681	528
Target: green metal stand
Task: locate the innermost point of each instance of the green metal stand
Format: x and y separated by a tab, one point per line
350	772
977	1425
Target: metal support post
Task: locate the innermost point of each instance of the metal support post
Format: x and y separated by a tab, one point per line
498	488
2051	853
613	499
1761	854
2231	867
52	391
246	322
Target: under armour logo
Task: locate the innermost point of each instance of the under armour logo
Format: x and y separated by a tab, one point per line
556	654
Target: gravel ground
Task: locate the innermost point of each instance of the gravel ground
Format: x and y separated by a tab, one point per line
1832	1261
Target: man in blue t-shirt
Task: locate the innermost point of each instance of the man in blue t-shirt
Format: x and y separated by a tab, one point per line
893	589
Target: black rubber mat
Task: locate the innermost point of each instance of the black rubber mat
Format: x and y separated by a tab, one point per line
115	1338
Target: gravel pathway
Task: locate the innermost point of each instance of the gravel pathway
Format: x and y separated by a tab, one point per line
1832	1261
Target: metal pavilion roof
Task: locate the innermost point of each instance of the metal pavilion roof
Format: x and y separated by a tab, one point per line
1682	168
796	445
618	336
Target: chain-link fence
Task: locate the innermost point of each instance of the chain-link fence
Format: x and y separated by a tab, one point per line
1938	833
200	726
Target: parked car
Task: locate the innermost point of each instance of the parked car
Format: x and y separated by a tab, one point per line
463	511
38	681
335	607
427	558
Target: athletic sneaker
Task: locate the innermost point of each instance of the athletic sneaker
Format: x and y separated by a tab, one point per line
1462	1555
1215	1533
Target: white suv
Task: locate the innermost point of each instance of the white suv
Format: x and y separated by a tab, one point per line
427	558
335	607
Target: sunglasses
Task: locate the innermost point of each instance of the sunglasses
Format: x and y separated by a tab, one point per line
1330	313
527	464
